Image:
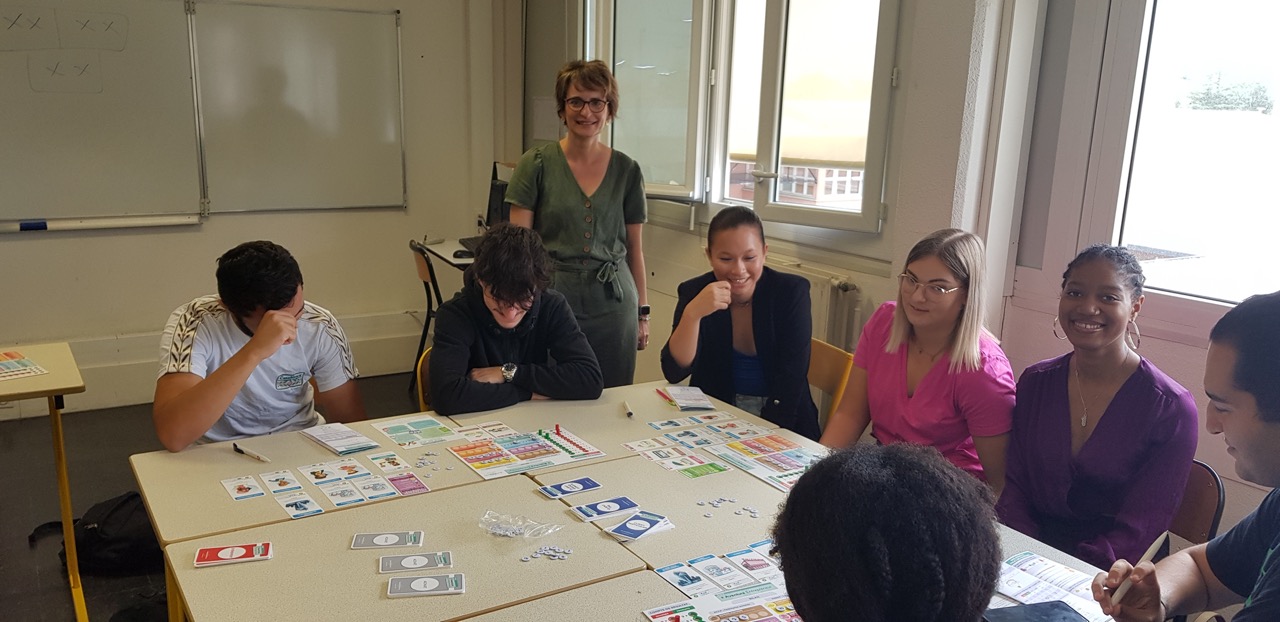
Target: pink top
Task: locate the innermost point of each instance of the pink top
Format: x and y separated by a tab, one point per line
947	409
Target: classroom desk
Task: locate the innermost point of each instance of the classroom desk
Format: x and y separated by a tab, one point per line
602	422
186	500
63	379
444	249
314	575
621	598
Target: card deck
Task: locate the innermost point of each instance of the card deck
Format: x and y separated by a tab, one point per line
243	487
389	462
342	494
426	586
219	555
564	489
639	525
417	561
375	488
386	540
720	571
603	509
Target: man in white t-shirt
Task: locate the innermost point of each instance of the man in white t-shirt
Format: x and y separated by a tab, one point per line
243	363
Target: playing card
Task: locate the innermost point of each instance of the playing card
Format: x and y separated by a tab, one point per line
426	586
281	481
757	566
320	474
417	561
342	493
671	423
687	580
389	462
243	487
386	540
720	571
218	555
647	444
582	484
407	484
639	525
665	453
712	417
348	468
375	488
603	509
298	504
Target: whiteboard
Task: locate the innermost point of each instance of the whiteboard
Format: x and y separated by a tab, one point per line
97	108
300	107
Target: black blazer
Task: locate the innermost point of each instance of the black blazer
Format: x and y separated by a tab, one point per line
782	325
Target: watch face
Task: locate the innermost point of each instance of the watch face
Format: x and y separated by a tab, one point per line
644	309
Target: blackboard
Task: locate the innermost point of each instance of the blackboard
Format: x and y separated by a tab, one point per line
106	114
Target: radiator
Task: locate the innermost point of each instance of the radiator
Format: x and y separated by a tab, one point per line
837	302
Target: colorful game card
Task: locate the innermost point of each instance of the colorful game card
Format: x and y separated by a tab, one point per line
389	462
702	470
647	444
773	459
723	573
591	512
219	555
348	468
688	580
245	487
757	566
693	439
665	453
342	494
573	487
407	484
738	429
15	365
375	488
298	504
415	431
671	423
426	586
718	416
320	473
281	481
417	561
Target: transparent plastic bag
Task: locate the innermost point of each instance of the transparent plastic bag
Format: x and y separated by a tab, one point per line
510	526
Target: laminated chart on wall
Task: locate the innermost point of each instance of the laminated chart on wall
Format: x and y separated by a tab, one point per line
495	450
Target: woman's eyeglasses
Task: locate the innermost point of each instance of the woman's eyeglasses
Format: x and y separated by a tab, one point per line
576	103
909	285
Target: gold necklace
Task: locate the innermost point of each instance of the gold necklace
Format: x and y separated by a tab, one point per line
932	357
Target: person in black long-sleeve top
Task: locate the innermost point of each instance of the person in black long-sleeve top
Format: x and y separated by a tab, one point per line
506	338
743	330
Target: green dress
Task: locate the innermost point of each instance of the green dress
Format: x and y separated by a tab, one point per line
587	238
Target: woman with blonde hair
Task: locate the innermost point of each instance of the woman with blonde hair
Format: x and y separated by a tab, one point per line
926	371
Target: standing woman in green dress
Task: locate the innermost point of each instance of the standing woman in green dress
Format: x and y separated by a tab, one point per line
587	201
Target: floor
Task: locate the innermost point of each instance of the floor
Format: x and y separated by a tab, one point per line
33	583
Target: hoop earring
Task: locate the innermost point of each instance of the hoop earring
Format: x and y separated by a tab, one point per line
1055	330
1134	337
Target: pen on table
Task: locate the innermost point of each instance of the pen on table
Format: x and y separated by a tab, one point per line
249	452
666	397
1146	557
626	405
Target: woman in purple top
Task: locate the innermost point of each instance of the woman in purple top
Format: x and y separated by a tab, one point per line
1102	440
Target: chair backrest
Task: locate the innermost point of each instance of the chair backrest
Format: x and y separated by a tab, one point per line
423	374
1197	518
829	371
426	271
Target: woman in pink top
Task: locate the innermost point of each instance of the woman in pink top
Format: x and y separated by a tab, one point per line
926	371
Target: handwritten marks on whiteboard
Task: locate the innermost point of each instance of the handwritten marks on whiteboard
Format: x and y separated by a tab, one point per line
63	47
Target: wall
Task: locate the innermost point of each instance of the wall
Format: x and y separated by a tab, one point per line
110	292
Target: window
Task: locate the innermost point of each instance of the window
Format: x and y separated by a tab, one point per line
722	106
1198	210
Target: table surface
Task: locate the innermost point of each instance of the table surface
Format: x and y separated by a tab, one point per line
315	575
444	250
620	598
602	422
184	494
63	377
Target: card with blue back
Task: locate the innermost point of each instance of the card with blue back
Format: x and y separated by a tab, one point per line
602	509
582	484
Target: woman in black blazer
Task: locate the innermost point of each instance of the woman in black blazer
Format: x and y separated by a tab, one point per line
743	330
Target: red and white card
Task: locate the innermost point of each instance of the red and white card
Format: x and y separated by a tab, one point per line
218	555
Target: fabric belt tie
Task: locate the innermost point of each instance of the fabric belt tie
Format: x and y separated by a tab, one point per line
606	273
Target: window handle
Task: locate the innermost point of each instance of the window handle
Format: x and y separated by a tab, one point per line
763	175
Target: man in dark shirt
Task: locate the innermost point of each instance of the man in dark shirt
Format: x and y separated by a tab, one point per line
1242	380
506	338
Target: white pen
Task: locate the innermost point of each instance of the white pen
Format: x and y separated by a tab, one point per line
627	405
1146	557
249	452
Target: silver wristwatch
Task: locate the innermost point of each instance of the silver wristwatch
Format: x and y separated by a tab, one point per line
508	372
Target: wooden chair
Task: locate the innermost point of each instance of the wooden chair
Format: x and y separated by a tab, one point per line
426	272
1197	518
829	371
423	375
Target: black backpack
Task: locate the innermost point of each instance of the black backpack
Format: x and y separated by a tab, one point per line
113	537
